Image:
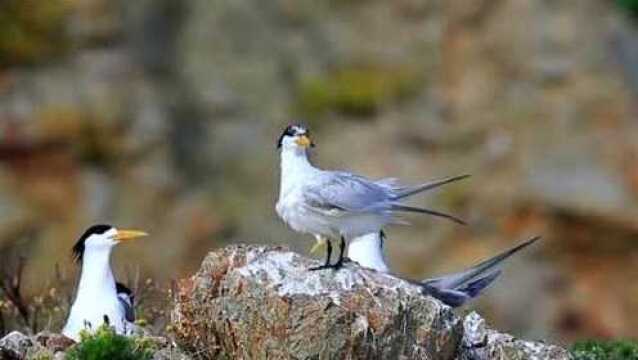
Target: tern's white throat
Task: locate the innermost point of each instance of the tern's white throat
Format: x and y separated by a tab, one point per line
96	274
294	165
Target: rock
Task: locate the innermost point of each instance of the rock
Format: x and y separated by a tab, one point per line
262	302
54	342
170	354
480	342
15	345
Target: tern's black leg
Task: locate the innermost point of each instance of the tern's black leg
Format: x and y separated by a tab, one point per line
342	248
326	264
339	264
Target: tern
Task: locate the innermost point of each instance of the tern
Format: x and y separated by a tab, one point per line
339	204
453	289
100	299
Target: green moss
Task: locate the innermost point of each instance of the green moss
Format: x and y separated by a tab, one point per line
32	30
106	344
605	350
630	6
357	90
41	354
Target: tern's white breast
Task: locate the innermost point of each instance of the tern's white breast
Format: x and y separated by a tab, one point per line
88	313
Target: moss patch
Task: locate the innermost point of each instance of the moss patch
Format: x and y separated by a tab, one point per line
32	30
605	350
357	90
106	344
629	6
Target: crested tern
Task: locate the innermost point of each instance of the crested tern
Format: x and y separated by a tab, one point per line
99	298
339	204
453	289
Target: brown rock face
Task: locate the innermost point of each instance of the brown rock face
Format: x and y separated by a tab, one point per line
262	302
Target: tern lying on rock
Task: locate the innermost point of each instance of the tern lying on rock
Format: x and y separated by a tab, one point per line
453	289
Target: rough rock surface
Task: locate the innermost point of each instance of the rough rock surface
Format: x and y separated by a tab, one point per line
262	302
481	342
45	345
15	345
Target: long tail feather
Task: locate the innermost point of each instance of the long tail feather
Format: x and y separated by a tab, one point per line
458	297
456	289
398	207
427	186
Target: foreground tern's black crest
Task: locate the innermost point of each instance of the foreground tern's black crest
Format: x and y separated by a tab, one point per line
78	248
292	130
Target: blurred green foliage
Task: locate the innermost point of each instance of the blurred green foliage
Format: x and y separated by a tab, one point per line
357	90
32	30
605	350
106	344
42	355
631	6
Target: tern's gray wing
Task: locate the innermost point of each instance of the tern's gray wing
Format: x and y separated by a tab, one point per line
347	192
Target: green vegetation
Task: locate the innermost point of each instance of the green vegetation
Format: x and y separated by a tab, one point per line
32	30
357	90
41	355
630	6
106	344
605	350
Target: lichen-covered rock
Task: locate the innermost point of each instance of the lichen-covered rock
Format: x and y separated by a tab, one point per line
255	302
54	342
262	302
482	343
45	345
15	346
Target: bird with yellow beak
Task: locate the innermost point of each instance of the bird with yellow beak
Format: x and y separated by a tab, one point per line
338	204
99	298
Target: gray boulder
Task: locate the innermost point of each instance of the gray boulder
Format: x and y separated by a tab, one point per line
262	302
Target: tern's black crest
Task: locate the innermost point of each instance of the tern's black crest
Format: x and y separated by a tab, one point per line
78	248
292	130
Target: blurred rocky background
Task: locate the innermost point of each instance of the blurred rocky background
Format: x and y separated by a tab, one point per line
163	115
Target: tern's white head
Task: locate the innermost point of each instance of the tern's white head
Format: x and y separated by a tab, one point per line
295	137
101	239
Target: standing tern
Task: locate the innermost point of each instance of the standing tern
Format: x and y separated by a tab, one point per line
99	298
338	204
453	289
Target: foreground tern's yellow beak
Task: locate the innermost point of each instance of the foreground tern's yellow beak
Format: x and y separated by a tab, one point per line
320	244
123	235
303	141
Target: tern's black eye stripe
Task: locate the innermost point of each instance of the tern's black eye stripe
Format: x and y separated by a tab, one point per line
289	131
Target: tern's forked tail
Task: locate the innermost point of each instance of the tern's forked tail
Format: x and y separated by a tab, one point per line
456	289
406	208
413	190
409	191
